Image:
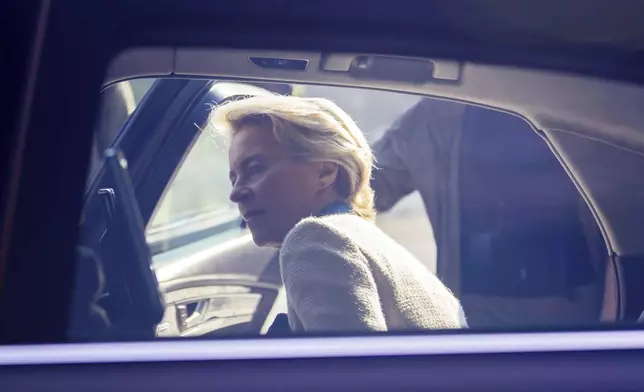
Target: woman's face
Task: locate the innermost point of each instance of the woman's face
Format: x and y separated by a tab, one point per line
272	190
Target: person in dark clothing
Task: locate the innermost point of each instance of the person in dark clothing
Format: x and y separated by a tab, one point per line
515	241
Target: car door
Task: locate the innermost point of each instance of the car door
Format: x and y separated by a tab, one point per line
211	275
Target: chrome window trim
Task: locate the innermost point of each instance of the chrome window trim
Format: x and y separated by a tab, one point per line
310	347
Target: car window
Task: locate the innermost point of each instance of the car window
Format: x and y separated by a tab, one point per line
474	195
197	197
118	103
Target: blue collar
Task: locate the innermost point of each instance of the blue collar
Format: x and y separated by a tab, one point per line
337	207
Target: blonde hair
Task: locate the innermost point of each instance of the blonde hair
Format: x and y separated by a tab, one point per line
313	129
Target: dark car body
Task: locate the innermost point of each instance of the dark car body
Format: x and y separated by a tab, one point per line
66	46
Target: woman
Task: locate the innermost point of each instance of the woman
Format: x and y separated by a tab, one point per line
300	171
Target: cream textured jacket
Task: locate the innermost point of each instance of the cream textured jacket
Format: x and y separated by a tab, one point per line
343	274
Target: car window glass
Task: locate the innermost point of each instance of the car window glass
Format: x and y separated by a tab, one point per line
198	193
118	103
474	195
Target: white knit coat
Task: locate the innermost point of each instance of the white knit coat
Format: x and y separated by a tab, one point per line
343	274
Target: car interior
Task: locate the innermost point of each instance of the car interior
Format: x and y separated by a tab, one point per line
560	144
170	296
231	286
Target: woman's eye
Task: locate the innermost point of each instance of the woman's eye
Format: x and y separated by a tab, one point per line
255	169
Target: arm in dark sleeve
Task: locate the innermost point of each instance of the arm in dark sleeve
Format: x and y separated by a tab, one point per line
391	178
410	154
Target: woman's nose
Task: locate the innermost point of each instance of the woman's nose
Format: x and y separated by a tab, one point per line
239	194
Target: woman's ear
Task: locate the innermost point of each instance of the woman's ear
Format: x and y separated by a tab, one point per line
328	173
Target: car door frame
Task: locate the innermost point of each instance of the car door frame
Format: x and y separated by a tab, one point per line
155	147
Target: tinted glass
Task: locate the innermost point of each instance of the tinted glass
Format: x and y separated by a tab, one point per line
480	222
